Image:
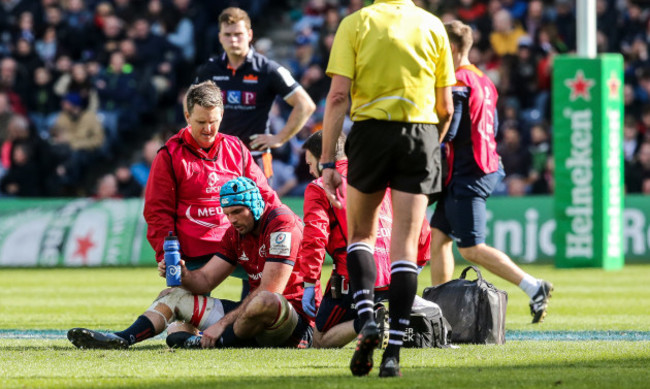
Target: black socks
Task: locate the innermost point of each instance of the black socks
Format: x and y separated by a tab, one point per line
362	273
140	330
403	286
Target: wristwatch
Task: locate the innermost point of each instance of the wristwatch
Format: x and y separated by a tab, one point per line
327	165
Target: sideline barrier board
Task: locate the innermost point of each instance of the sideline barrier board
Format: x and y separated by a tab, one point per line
72	233
84	232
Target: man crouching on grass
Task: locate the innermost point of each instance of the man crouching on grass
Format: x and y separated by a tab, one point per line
265	241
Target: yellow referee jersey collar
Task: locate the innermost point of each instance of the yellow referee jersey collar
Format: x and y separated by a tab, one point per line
394	1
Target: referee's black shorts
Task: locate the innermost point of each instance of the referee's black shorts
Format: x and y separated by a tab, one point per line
402	156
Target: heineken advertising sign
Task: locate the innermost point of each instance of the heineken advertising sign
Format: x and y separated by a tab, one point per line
83	232
72	233
587	142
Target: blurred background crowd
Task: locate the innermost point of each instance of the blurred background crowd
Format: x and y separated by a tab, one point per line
90	89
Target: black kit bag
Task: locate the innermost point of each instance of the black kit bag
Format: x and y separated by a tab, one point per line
476	310
427	328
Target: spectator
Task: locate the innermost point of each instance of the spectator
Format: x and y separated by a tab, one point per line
607	24
17	130
78	81
157	57
127	186
303	56
25	56
140	170
5	116
79	21
534	18
565	20
644	126
540	147
102	11
14	79
517	185
516	159
516	8
107	188
469	11
79	129
506	34
631	138
523	77
545	183
107	40
632	105
47	46
25	27
633	25
126	10
117	90
180	30
35	158
639	170
43	104
22	178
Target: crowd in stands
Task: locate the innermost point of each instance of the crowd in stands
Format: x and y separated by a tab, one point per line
89	89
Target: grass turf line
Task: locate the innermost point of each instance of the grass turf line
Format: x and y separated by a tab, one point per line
590	365
584	300
111	298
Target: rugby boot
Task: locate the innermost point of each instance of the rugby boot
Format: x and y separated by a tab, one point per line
183	339
367	342
389	368
539	302
89	339
381	317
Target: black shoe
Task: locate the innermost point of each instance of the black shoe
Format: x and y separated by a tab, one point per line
84	338
183	339
193	341
367	342
381	318
539	302
389	368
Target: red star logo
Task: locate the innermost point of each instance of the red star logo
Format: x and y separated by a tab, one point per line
579	86
84	244
614	86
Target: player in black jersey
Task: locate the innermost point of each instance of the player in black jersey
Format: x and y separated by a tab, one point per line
250	82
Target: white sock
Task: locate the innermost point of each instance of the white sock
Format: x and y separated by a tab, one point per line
530	285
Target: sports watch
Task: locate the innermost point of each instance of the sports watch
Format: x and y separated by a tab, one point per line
327	165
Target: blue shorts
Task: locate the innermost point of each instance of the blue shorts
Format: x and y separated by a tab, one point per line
461	213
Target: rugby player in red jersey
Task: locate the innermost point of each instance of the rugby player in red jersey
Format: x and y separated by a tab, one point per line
264	240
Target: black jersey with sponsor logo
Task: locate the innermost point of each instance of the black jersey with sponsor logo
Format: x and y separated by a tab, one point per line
248	92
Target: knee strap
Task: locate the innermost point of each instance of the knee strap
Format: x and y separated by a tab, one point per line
200	311
282	327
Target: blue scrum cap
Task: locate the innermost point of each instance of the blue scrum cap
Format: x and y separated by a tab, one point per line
242	191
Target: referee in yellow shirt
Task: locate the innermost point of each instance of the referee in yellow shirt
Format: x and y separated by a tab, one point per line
394	60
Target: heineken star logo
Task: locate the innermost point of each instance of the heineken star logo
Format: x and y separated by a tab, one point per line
579	86
614	86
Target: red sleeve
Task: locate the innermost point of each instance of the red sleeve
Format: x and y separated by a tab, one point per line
253	171
226	248
316	233
160	202
283	239
424	244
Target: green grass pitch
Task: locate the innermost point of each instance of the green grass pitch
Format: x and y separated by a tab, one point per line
40	304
